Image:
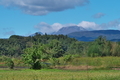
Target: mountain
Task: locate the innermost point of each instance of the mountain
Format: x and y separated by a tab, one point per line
113	35
69	29
36	33
82	34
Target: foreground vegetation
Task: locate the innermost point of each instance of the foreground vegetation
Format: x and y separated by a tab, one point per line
59	58
70	63
39	49
54	74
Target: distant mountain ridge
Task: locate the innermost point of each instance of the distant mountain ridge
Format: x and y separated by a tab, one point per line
69	29
82	34
113	35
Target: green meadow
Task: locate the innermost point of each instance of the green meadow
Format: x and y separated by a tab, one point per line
55	74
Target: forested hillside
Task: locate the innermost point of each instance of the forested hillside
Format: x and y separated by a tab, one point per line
58	45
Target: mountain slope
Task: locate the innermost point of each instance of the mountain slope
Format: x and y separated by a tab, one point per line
69	29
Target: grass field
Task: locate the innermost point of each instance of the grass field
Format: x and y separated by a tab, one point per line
76	69
55	74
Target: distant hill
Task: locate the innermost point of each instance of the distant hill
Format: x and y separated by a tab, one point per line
113	35
69	29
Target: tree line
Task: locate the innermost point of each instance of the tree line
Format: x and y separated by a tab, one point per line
58	45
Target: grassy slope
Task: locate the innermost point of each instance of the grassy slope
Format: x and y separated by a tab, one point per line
54	74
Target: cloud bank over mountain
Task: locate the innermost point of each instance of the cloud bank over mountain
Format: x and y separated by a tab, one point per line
42	7
47	28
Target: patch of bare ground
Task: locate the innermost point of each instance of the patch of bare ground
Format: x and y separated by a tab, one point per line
116	68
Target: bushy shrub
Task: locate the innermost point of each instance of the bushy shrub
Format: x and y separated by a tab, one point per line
10	63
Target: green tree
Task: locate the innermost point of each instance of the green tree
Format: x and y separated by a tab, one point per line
94	50
97	47
55	48
34	56
76	48
115	51
107	49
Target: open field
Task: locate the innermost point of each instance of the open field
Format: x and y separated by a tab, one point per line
55	74
102	68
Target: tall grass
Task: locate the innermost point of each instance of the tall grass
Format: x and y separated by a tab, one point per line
97	62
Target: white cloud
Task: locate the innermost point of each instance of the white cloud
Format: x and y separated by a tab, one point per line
111	25
70	24
115	24
56	26
89	25
119	25
42	7
44	27
98	15
9	33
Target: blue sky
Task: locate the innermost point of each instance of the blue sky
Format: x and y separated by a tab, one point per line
25	17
